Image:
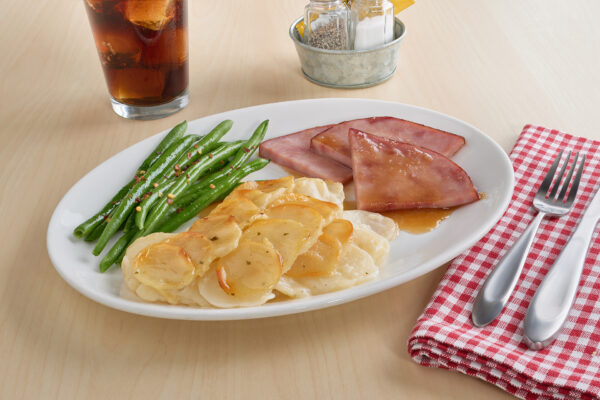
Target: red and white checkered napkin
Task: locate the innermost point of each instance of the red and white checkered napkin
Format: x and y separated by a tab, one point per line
444	335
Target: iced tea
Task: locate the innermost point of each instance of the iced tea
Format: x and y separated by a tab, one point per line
143	48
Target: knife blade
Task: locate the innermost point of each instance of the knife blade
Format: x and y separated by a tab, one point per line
551	303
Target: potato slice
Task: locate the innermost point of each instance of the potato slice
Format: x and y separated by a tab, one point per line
379	224
242	209
222	230
320	189
259	198
132	251
187	295
244	277
197	247
287	182
319	260
376	245
163	266
341	229
286	235
355	266
306	215
328	210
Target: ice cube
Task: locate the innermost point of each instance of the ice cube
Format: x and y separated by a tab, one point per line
136	85
150	14
168	48
118	46
101	5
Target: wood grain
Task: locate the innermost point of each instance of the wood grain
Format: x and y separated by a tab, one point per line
497	65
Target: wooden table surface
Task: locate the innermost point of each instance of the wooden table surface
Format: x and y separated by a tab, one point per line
495	64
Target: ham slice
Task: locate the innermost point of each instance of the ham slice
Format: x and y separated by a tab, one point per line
333	142
293	151
392	175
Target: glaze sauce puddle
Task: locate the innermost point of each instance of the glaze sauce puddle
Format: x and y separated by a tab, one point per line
416	221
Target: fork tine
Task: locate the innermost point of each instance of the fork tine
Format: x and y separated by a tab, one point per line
549	175
565	187
575	185
559	177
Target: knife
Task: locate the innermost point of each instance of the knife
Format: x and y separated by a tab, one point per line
554	297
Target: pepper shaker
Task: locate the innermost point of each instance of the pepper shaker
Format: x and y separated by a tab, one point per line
326	24
371	23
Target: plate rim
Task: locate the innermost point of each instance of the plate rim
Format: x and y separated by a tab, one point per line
292	306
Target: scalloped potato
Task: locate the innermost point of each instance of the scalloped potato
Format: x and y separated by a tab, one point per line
286	235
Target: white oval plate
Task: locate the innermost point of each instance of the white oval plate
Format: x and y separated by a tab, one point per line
410	255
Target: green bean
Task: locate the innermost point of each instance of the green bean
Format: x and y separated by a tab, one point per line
130	223
205	145
164	163
220	187
85	228
115	252
238	159
91	223
171	137
182	164
182	182
251	145
95	233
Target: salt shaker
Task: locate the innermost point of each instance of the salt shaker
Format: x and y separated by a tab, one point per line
371	23
326	24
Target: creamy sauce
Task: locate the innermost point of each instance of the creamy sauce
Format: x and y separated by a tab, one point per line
418	220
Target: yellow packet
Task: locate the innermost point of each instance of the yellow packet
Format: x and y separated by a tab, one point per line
400	5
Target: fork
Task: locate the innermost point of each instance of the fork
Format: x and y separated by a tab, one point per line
498	287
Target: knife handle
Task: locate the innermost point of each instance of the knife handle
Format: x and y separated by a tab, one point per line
554	297
500	283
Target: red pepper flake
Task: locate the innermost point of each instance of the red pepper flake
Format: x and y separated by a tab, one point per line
137	199
189	155
178	210
221	162
108	219
210	155
246	149
252	147
211	186
177	167
144	197
170	201
106	216
196	146
187	175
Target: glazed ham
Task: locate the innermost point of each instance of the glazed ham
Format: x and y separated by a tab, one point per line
392	175
333	142
293	151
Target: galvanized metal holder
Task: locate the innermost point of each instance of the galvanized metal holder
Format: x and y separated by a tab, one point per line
349	69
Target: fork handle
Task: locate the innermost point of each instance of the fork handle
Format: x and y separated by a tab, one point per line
554	297
498	286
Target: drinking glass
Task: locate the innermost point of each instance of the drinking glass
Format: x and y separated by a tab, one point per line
143	48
